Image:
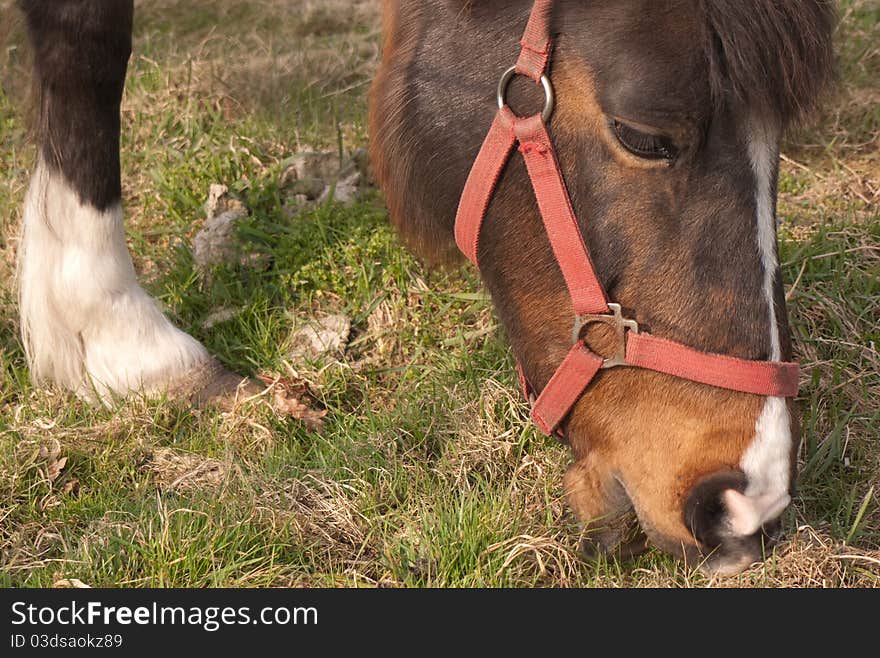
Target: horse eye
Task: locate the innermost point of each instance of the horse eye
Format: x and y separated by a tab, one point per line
642	144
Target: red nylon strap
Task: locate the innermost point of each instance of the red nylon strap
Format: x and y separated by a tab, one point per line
536	43
757	377
481	182
562	228
565	387
579	368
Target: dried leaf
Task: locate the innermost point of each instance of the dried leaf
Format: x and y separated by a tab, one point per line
292	397
51	455
311	418
55	468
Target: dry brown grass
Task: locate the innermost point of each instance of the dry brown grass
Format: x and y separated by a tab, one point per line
173	470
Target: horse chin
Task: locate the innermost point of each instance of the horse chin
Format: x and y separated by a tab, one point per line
621	538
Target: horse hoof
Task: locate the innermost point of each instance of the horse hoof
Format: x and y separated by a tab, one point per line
213	384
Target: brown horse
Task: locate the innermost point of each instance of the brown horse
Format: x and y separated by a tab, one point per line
668	123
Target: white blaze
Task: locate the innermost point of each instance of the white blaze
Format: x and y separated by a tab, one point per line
766	461
86	323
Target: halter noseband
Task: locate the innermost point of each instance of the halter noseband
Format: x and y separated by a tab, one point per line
634	347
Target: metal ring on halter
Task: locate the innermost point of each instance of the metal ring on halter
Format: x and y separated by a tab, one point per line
549	95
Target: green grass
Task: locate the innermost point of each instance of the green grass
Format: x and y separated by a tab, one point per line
427	471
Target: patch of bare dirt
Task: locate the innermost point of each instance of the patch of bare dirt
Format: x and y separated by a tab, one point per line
318	337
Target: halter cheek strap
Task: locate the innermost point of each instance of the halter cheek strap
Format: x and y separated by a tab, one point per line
591	306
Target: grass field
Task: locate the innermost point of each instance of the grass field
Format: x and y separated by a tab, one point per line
427	471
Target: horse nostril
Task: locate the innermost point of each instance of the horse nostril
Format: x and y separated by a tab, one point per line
771	533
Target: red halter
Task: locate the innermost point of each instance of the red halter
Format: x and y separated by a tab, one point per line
634	347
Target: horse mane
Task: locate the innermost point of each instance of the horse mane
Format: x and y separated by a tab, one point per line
774	54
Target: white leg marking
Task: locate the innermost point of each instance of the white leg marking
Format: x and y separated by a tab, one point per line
767	460
86	323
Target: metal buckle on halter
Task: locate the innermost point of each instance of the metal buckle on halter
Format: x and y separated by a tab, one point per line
617	322
549	94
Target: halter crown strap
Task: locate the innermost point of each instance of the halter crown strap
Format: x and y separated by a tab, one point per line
590	304
536	42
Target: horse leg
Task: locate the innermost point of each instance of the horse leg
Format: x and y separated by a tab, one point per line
86	323
602	506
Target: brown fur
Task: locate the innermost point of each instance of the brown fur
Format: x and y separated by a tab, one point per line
389	150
